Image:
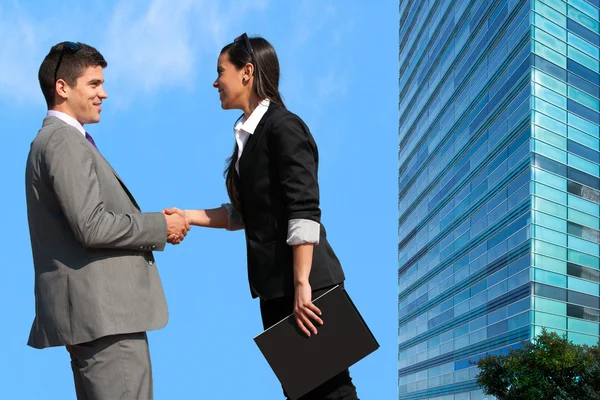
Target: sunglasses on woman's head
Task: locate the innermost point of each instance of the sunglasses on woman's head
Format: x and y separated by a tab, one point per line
245	38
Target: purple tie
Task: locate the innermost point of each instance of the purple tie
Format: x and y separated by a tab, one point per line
90	139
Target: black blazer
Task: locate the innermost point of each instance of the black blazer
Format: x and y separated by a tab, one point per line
278	182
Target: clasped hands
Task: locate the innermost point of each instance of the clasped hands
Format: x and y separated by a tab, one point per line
178	225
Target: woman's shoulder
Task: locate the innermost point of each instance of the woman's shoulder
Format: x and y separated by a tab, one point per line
280	115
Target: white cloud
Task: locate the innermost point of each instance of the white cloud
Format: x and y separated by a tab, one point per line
149	45
20	52
159	45
151	48
332	84
153	45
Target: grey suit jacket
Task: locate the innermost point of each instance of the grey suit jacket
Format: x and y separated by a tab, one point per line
92	247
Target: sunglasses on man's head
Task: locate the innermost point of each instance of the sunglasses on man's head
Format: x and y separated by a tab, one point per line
72	47
245	38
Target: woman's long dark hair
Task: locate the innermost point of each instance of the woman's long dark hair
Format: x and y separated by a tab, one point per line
266	85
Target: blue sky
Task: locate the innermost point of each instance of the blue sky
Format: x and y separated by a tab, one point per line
163	130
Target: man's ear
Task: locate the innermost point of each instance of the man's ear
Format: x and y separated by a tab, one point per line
62	89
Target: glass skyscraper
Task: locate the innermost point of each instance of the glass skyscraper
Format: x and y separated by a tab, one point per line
499	183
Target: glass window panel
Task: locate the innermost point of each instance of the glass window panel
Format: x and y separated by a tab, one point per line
584	219
582	98
550	263
583	272
552	306
549	96
549	278
551	124
582	204
583	245
549	109
581	339
549	320
550	26
549	249
549	54
517	280
497	315
583	125
585	7
583	326
549	221
549	193
550	235
550	291
583	259
583	286
497	290
549	179
497	329
519	306
549	207
583	19
557	5
549	137
549	13
583	58
584	165
549	151
582	45
549	40
582	138
518	321
549	81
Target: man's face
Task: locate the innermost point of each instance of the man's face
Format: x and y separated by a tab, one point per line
84	100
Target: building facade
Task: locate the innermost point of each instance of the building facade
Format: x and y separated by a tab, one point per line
499	183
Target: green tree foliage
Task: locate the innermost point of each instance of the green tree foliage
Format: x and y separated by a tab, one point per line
548	368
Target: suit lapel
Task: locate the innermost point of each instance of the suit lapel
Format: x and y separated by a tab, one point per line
121	182
254	139
53	120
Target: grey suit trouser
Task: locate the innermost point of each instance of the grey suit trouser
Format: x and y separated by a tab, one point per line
113	367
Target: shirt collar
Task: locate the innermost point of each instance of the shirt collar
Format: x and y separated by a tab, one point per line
249	125
67	119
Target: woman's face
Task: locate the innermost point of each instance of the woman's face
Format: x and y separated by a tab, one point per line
232	91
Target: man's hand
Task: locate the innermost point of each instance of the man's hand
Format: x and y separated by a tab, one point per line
177	225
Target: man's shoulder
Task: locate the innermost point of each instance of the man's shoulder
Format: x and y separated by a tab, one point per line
50	127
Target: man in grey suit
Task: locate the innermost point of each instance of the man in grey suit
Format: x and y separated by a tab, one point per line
97	289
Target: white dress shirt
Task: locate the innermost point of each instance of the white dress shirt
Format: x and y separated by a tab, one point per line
67	119
299	230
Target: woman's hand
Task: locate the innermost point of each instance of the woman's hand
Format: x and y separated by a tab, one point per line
304	310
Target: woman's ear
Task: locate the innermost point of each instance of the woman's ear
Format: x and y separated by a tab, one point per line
248	71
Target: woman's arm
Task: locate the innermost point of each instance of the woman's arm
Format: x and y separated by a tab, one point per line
304	309
211	218
295	155
224	217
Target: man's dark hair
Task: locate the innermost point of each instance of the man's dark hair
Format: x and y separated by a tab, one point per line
72	66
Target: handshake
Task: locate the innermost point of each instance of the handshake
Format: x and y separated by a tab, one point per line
178	225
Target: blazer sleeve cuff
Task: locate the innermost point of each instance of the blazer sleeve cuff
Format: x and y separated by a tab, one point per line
234	219
301	231
157	231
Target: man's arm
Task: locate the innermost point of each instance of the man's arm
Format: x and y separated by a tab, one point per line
72	174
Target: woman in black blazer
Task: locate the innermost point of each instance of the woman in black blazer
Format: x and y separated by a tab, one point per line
273	188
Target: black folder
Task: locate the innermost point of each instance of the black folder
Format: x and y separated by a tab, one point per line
302	363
